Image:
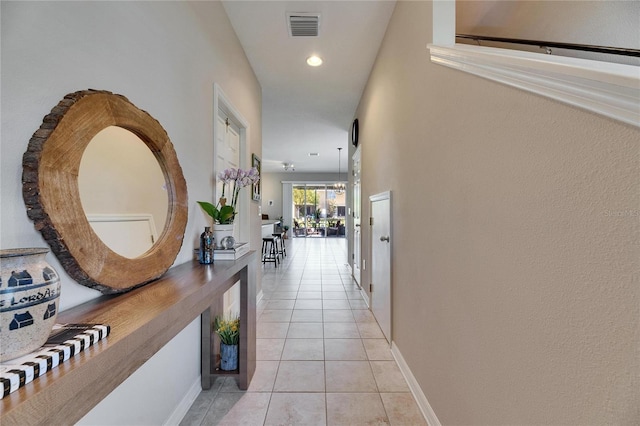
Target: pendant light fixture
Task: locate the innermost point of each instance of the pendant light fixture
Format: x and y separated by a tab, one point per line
339	186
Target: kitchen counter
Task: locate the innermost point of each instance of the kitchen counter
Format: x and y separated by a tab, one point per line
269	227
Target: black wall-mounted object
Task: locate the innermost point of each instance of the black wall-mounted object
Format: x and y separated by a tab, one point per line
354	133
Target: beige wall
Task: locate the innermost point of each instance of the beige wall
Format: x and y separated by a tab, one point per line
50	49
584	22
515	243
165	57
581	22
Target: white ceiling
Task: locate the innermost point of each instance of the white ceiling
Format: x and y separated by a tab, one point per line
306	109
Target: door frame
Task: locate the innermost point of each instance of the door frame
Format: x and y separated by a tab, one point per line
356	222
222	103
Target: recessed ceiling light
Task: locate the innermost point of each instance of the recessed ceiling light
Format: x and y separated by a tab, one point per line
314	61
314	154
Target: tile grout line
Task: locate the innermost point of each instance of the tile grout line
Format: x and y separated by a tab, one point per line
332	281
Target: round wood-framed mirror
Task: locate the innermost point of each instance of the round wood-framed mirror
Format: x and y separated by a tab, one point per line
51	194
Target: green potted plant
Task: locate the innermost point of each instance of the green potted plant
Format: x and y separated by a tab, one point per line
223	214
228	328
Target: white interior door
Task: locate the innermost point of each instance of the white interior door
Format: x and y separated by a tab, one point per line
129	235
227	155
357	200
381	261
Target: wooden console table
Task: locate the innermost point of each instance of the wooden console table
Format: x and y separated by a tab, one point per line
142	321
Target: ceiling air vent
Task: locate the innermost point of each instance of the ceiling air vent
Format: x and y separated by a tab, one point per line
303	24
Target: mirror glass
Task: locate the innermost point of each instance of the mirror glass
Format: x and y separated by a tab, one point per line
123	191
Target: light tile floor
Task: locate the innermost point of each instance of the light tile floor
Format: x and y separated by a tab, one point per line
321	357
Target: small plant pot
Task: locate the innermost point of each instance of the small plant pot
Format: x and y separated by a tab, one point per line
221	231
228	357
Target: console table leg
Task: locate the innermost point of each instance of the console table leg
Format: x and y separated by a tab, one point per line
205	349
247	325
247	355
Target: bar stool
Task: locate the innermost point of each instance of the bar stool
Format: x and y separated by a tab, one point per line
282	250
278	244
269	251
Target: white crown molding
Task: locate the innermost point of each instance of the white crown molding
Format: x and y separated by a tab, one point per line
416	390
606	88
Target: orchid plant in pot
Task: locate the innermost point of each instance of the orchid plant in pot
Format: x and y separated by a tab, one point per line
235	179
223	214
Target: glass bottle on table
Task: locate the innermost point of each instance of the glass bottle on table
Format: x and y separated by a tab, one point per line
207	244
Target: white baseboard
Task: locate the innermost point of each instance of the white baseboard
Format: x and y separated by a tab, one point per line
364	296
421	399
183	407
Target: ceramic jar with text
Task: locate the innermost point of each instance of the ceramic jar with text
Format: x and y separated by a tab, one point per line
29	300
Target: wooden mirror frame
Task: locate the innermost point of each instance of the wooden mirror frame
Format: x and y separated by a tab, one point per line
52	197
